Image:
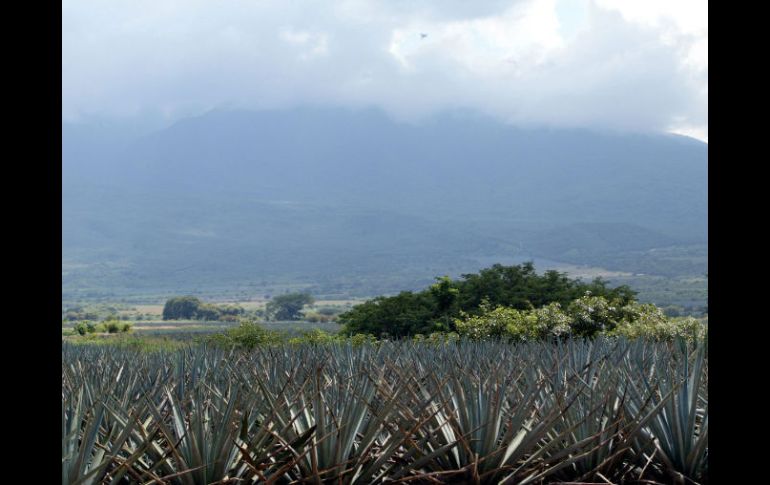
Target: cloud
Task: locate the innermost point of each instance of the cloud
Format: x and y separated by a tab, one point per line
601	63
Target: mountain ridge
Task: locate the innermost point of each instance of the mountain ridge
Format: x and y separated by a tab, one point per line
311	187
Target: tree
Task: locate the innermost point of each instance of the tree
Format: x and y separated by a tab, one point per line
181	307
81	328
208	312
289	306
438	307
444	292
592	315
397	316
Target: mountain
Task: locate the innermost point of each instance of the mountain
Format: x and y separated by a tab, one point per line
353	202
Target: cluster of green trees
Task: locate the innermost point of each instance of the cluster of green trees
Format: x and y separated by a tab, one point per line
439	307
284	307
79	313
588	316
93	311
191	308
288	306
107	326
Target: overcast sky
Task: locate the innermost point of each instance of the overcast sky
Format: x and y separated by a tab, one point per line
637	65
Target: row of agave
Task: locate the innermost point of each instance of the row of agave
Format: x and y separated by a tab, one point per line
603	411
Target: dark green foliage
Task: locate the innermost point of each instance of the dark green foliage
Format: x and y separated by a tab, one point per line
397	316
207	311
230	310
522	288
289	306
115	326
85	327
81	328
74	314
191	308
182	307
518	287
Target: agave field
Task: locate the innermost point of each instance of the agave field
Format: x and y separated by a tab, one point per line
575	411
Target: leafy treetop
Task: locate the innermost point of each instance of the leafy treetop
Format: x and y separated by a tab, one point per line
437	308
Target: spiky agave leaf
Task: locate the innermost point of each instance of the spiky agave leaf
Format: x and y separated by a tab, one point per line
485	424
678	432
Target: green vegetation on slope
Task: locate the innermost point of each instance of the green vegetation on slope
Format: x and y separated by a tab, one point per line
345	203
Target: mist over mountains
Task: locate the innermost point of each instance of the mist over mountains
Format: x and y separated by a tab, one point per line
354	203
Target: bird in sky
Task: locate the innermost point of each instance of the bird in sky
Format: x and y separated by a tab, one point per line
422	36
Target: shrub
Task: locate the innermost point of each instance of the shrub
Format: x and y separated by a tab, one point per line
588	316
551	321
438	338
362	339
247	335
510	323
501	322
231	310
592	315
317	317
315	336
81	328
688	328
85	327
208	312
641	312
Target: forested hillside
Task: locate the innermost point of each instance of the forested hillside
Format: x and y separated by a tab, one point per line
354	203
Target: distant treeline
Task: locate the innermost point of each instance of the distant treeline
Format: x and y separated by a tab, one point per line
191	308
437	308
283	307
